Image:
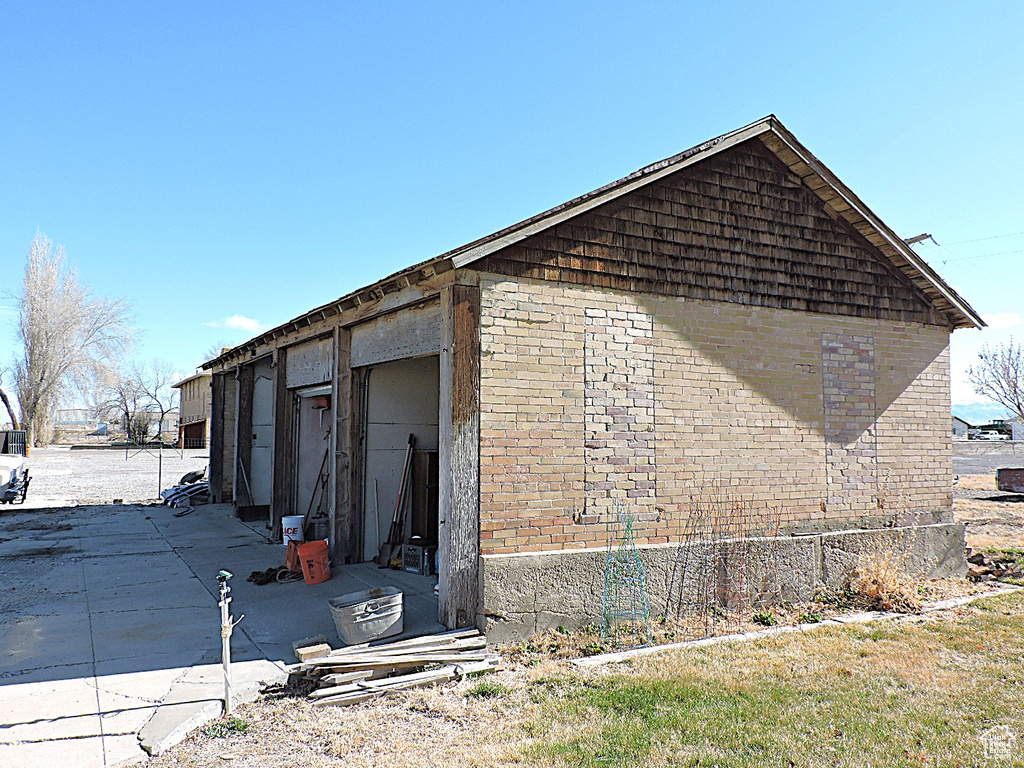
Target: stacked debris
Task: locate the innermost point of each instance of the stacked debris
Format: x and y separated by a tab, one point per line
985	567
191	491
339	678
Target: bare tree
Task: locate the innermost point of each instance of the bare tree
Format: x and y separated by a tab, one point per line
154	381
216	350
1000	375
10	411
68	336
122	400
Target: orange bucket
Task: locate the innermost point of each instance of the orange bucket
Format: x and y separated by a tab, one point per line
316	565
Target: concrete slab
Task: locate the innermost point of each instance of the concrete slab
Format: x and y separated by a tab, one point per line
33	642
196	698
50	753
112	632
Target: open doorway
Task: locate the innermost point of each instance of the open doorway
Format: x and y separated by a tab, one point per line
312	452
401	399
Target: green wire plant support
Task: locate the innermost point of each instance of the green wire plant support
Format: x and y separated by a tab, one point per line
626	607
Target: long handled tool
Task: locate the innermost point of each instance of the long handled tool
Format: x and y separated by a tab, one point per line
321	488
397	531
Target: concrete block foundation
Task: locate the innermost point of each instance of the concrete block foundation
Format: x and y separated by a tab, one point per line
524	594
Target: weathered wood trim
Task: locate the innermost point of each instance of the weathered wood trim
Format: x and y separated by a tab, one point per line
357	463
282	489
217	439
355	308
243	441
459	457
346	543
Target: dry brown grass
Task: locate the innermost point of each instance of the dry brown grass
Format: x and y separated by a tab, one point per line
882	583
989	524
878	694
977	482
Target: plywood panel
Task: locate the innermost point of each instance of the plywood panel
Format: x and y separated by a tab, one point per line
310	363
407	333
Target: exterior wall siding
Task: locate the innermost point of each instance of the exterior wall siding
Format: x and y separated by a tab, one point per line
593	396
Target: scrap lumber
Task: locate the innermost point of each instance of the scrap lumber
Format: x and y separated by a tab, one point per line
372	689
351	675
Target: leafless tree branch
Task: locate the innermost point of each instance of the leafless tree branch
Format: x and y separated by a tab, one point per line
1000	375
69	337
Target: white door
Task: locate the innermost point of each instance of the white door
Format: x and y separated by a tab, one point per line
262	433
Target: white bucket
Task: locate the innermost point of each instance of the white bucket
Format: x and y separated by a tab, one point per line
291	528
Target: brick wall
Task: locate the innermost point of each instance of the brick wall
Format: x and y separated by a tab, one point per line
589	396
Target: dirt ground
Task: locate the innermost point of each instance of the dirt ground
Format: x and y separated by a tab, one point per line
994	519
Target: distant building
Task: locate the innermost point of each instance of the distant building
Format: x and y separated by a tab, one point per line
960	427
195	409
1017	428
76	423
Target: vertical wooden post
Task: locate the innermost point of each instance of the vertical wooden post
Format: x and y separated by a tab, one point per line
243	443
282	489
459	456
345	531
217	438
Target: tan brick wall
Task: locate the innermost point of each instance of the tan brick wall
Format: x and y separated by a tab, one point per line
589	396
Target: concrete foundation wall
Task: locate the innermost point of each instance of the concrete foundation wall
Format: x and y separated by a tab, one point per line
529	593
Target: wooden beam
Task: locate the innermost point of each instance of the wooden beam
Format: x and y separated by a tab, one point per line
243	436
346	522
459	456
217	438
282	489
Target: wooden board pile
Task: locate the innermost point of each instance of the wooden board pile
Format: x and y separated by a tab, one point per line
362	672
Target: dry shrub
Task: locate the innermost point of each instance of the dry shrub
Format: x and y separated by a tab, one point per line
881	582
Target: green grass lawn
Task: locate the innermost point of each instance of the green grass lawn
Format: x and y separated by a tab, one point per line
885	694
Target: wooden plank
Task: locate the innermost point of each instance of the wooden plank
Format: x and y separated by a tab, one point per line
438	637
345	677
445	674
454	635
374	662
469	644
459	457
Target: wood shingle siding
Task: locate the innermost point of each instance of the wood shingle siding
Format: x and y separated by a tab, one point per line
740	228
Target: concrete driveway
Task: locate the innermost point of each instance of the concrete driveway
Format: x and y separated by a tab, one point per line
110	633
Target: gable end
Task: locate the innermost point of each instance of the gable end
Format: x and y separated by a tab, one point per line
738	227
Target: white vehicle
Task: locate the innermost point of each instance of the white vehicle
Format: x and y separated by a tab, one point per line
991	434
14	478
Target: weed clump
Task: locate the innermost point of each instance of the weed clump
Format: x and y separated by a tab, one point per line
880	583
224	728
488	690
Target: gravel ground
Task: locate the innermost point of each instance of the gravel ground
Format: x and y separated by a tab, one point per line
63	477
993	518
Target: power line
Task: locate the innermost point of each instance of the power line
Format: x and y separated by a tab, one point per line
975	240
983	256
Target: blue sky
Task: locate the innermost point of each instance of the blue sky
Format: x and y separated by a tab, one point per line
226	166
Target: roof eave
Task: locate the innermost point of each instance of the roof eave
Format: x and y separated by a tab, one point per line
968	317
479	249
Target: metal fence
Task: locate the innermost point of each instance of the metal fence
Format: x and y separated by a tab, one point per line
13	442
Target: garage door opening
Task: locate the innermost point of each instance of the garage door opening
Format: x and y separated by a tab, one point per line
400	399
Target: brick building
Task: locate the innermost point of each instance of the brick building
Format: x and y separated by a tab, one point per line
732	318
194	406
